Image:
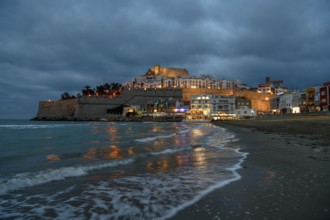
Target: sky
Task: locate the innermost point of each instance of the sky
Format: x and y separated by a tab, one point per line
50	47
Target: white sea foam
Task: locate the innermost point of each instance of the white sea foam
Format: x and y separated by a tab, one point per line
140	195
211	188
35	126
184	131
24	180
169	151
154	138
180	132
147	196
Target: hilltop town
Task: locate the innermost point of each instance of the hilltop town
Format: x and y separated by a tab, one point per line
169	93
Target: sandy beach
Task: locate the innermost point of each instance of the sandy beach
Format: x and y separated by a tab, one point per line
285	176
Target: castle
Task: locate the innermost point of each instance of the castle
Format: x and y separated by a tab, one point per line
166	72
163	77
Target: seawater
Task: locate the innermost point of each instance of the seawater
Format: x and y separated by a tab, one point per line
105	170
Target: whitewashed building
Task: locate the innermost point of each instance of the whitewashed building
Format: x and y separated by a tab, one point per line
272	87
286	103
213	104
245	112
291	102
146	81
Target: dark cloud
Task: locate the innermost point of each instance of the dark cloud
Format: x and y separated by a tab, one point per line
49	47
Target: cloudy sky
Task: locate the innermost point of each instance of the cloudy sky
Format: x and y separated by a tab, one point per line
50	47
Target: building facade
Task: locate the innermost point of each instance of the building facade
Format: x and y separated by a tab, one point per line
162	77
209	104
245	112
272	87
325	96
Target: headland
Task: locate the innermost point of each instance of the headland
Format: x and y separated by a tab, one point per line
160	89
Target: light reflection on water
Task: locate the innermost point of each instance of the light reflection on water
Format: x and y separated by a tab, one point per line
107	152
200	157
159	165
134	171
112	133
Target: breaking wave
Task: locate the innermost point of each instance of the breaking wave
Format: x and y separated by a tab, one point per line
24	180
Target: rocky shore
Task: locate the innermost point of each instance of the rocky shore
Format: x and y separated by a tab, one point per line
285	176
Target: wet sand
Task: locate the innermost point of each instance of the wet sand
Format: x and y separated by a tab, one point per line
285	176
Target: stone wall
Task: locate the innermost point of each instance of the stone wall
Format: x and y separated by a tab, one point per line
259	101
188	92
57	110
142	96
96	107
169	72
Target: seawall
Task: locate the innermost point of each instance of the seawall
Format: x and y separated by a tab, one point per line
57	110
97	107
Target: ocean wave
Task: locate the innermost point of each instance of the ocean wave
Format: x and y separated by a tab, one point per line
145	196
35	126
184	131
203	164
169	151
218	184
148	139
24	180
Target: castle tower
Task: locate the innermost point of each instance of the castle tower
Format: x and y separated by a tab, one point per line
157	70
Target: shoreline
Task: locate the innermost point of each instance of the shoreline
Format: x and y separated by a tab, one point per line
285	176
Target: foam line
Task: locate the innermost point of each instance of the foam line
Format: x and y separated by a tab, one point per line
24	180
149	139
169	151
236	177
35	126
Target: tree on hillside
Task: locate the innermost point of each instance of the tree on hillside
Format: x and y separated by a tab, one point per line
87	91
107	88
116	88
67	96
100	90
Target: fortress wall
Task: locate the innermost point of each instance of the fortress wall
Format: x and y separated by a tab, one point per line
173	72
169	72
141	98
259	101
188	92
96	107
56	110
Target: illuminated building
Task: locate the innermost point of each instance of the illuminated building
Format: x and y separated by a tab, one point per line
272	87
325	96
163	77
209	104
243	108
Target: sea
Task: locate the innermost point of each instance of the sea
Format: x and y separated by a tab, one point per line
111	170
